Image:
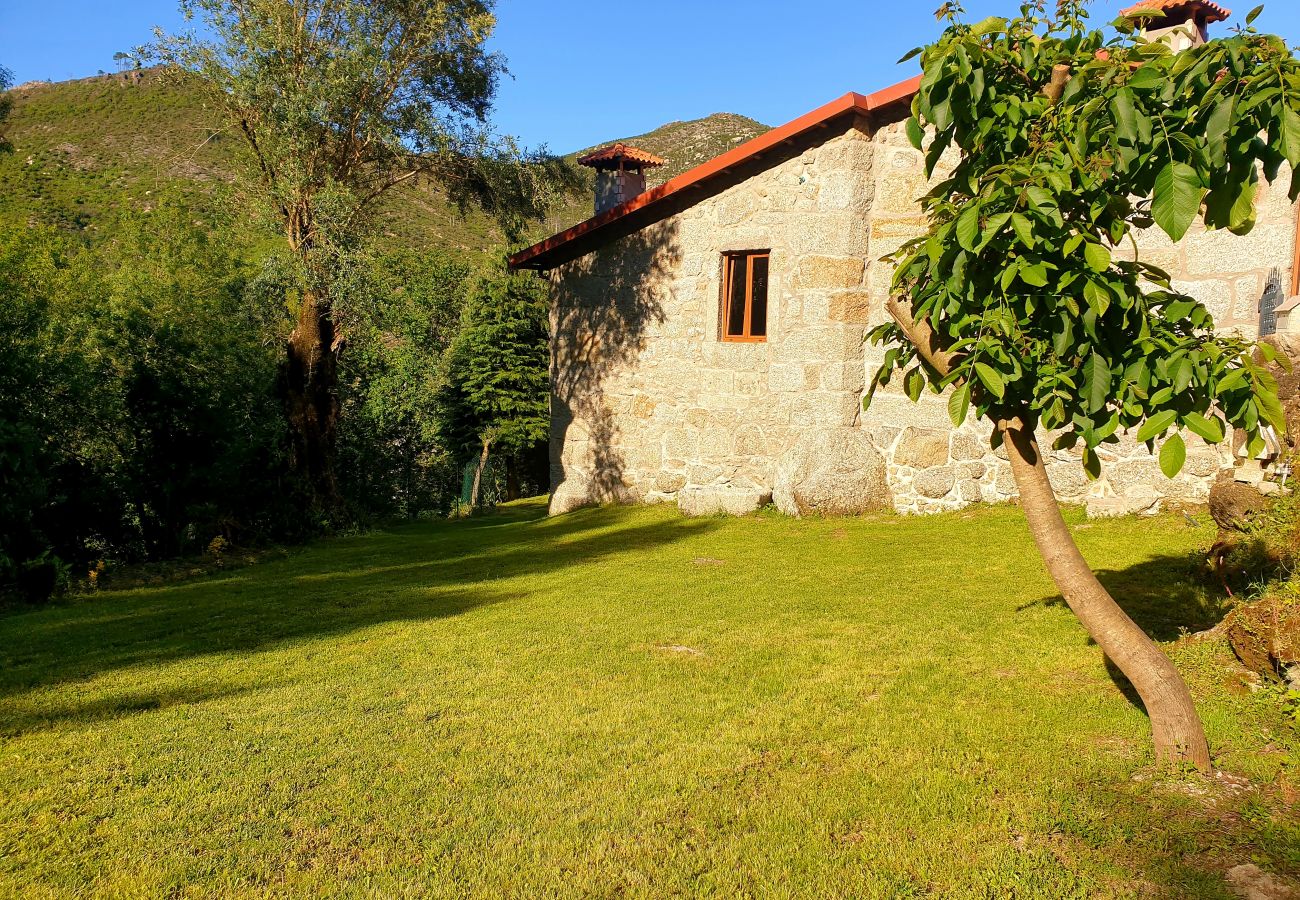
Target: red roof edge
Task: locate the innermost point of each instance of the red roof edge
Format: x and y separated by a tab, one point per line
535	257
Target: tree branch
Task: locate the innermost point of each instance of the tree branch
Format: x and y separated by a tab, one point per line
919	333
1056	87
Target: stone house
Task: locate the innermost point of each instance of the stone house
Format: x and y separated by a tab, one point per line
708	333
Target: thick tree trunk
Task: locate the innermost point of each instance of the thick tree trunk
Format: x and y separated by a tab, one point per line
1175	725
513	489
478	475
311	398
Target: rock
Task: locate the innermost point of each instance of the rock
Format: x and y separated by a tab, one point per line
922	448
1250	882
831	472
580	489
1234	505
722	499
967	446
1265	635
1109	507
935	483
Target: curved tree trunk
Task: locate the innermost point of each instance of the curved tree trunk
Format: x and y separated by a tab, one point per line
311	398
1175	725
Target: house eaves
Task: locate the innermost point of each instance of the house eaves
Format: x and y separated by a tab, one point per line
668	197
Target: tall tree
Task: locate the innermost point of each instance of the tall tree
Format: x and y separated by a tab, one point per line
339	102
6	104
1017	301
495	394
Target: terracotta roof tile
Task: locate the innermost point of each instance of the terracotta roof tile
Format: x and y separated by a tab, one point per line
1213	12
614	152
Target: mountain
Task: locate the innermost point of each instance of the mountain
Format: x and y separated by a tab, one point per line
83	148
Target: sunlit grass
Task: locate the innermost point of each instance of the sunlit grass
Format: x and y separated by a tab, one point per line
625	702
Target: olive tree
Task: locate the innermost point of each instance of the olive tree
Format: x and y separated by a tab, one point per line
1018	300
338	102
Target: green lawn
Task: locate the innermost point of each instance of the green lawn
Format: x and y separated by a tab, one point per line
623	702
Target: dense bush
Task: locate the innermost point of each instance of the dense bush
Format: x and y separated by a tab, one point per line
138	416
140	406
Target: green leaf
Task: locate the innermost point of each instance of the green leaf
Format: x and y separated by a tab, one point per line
913	383
1097	256
1216	131
991	379
1096	379
915	133
1172	455
1183	372
1147	78
1210	428
1156	425
968	227
1254	14
959	404
1125	113
1291	134
1178	195
1024	230
1035	275
911	54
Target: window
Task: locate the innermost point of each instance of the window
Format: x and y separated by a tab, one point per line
744	296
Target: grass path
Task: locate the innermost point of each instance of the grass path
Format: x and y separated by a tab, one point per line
623	702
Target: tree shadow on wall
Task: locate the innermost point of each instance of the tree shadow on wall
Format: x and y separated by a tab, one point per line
604	305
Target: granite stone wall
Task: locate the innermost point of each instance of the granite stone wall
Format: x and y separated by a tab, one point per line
649	405
932	467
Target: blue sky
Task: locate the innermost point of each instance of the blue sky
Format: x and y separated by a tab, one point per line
584	71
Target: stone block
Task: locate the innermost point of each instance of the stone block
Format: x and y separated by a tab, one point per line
1068	479
830	272
935	483
852	307
966	445
831	471
730	500
922	448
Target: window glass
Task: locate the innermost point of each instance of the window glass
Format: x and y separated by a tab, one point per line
737	282
758	298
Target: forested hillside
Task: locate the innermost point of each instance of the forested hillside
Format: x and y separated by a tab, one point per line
143	324
87	148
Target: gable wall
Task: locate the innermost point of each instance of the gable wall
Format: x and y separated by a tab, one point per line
648	403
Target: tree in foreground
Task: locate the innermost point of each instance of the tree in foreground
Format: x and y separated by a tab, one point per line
1017	300
497	374
339	102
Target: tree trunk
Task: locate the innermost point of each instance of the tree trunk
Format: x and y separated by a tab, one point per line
311	398
1175	725
478	475
513	490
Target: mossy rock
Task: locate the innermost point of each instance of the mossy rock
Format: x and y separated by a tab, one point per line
1265	634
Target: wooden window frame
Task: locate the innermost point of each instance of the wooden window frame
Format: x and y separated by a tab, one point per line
728	265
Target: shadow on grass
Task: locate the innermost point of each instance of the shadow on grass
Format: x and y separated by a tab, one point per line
413	573
1168	597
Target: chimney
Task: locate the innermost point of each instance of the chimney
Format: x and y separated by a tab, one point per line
1182	24
620	173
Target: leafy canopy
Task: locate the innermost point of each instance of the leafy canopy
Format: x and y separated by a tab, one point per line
340	101
1021	275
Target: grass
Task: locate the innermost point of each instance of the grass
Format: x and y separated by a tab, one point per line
623	702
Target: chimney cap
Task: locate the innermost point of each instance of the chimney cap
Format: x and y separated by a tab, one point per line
617	155
1203	12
